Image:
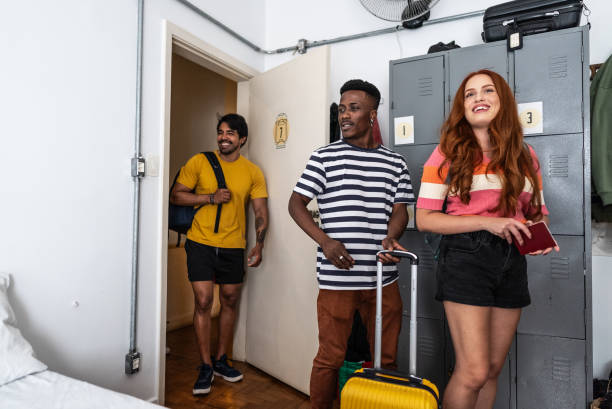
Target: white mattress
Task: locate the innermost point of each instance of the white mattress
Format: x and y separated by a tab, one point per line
50	390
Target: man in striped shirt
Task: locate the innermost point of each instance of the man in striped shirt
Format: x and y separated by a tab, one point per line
362	189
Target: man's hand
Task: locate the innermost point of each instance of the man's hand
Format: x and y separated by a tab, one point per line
222	196
255	257
389	243
337	254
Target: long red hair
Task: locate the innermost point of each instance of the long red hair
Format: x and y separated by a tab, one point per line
510	157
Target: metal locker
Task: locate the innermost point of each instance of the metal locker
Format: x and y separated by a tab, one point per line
415	157
427	306
418	91
549	365
549	69
562	170
556	284
504	396
430	349
550	373
449	354
463	61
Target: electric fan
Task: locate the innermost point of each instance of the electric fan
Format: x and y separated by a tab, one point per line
400	10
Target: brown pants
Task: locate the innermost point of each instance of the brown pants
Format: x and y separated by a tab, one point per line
335	312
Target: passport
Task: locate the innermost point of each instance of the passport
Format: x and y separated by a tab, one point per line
540	239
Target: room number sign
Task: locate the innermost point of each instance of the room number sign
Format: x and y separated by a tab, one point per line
281	130
404	130
531	117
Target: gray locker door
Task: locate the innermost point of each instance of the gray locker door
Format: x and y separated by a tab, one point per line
550	373
463	61
549	69
427	306
556	284
430	349
503	399
415	156
562	170
418	90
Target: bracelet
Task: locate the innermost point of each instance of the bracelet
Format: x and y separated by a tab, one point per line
211	199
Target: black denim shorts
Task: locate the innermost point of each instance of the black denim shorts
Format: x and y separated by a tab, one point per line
481	269
221	265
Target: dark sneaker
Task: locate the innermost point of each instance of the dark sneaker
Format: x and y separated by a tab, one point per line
205	378
223	369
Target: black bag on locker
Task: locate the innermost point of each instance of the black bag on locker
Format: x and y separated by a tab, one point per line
530	17
440	46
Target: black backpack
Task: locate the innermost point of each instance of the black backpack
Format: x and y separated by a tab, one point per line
181	217
440	46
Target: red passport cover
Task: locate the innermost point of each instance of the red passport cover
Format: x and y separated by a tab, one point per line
540	239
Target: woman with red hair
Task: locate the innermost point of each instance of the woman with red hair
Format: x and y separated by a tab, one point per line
490	182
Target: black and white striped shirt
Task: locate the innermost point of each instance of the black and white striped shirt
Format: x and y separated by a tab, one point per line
355	190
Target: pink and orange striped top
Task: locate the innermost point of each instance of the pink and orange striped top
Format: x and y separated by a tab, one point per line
484	192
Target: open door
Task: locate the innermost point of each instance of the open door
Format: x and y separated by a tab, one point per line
281	323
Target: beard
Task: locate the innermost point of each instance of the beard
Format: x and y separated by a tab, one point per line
228	149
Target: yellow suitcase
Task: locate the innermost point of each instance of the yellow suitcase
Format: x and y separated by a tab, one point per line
382	389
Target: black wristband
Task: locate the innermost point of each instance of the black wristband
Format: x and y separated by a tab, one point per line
211	199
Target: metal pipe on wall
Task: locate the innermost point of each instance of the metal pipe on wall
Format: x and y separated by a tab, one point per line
132	358
304	44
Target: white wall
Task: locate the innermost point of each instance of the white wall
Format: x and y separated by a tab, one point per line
68	80
369	58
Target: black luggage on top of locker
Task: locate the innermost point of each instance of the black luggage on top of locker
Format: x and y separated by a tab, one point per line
530	17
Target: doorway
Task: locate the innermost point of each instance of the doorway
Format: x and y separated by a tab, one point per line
198	98
280	297
200	83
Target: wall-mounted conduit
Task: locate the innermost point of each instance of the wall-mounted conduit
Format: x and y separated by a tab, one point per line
132	358
303	44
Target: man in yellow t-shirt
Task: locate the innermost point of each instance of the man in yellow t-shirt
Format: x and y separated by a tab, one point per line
219	257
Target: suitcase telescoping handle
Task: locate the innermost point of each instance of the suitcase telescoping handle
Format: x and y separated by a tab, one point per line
414	261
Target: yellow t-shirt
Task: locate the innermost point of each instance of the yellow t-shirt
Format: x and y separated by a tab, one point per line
244	180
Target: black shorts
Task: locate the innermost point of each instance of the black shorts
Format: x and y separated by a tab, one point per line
207	263
481	269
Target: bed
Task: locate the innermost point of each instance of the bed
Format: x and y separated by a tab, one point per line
27	383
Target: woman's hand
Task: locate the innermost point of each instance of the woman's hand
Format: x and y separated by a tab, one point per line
545	251
506	228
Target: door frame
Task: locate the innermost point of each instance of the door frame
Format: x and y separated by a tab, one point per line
187	45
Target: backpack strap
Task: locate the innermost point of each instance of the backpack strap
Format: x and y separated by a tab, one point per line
216	166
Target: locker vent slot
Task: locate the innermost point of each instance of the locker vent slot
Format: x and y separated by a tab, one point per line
557	67
560	268
427	346
425	85
561	369
558	166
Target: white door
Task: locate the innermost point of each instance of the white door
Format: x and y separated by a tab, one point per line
281	323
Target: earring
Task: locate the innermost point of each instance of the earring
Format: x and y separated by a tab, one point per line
371	121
